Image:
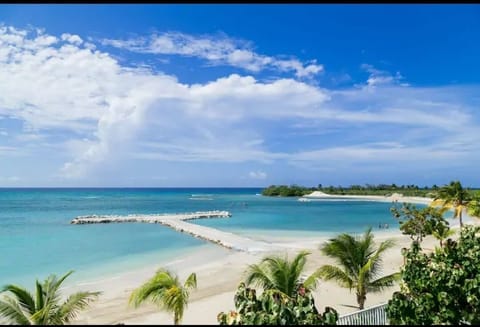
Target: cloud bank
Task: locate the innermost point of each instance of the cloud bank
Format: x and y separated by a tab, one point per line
97	112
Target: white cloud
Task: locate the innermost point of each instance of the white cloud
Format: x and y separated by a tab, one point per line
379	77
257	174
75	39
108	113
219	50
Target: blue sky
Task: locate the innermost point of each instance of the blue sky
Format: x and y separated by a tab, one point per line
239	95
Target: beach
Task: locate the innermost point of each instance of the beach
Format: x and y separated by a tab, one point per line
219	273
217	281
395	197
116	258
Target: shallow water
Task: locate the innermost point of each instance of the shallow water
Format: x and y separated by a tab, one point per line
36	237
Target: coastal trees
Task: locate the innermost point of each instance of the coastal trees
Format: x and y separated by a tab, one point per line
273	307
418	223
442	287
453	196
286	298
474	205
165	290
360	264
284	190
277	273
442	232
20	307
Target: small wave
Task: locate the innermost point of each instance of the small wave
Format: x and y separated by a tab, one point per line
91	197
201	195
201	199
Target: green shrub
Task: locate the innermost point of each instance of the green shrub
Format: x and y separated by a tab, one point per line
275	308
442	287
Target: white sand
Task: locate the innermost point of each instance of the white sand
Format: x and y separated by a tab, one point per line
220	271
218	279
395	197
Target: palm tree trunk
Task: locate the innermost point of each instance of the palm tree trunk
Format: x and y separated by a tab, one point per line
460	218
176	320
361	300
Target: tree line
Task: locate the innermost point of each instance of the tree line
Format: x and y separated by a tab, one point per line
367	189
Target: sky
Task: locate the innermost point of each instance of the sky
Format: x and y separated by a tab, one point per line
239	95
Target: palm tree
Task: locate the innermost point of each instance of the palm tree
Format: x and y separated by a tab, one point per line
277	273
453	196
442	232
44	308
359	264
165	289
474	205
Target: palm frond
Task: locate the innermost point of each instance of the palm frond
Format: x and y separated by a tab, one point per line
474	206
329	272
191	281
173	299
383	282
23	297
344	249
11	311
312	281
39	296
165	289
74	303
151	290
260	276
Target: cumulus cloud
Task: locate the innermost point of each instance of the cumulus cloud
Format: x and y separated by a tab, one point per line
102	112
378	77
218	50
75	39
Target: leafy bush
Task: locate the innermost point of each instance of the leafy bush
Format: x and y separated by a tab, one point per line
275	308
419	223
442	287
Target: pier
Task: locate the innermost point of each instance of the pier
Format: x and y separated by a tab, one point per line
177	221
159	218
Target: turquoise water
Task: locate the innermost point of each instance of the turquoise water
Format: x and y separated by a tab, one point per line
36	237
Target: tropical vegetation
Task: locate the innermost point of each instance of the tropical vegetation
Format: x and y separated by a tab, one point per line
474	205
273	307
278	273
418	223
453	196
285	190
359	264
45	307
367	189
166	290
442	287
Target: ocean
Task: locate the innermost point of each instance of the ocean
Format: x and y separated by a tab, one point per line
37	239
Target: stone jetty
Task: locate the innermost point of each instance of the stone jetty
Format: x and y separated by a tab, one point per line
157	218
178	222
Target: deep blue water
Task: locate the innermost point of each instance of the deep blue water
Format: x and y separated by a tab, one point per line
36	237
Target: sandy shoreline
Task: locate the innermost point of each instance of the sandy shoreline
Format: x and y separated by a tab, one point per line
217	282
396	197
219	271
